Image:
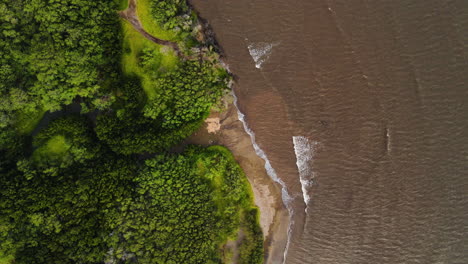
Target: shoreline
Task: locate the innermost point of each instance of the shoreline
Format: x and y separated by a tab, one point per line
223	127
229	132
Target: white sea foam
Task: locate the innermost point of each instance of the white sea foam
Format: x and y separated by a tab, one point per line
271	172
260	52
304	150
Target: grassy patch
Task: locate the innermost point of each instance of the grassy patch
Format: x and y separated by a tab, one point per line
150	25
134	44
225	172
169	58
55	149
57	145
121	4
6	259
251	248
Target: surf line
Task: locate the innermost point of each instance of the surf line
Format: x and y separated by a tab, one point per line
260	52
304	150
286	198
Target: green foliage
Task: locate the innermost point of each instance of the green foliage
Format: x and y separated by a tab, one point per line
67	194
52	52
64	142
121	4
150	59
12	146
251	249
176	217
128	131
63	219
171	209
145	14
172	14
163	120
6	259
186	94
186	210
141	135
142	57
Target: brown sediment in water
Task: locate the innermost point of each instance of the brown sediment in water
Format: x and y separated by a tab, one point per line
274	218
224	128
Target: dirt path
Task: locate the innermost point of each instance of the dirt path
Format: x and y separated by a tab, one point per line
131	16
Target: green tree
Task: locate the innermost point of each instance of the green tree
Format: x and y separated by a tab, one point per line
64	142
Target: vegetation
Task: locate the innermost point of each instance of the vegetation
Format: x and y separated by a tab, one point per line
196	84
172	14
141	56
146	11
184	216
54	51
76	188
168	209
6	259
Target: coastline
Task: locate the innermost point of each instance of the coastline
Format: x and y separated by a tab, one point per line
223	127
229	132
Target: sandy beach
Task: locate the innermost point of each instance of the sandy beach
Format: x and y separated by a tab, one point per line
382	108
224	128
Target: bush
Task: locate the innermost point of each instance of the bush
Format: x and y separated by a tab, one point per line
64	142
171	14
128	132
186	94
73	193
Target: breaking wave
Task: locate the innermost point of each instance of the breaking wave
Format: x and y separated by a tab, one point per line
304	150
260	52
271	172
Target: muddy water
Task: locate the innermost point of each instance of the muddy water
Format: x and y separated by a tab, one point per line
362	110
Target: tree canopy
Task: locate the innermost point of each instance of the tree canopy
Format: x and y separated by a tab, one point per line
100	185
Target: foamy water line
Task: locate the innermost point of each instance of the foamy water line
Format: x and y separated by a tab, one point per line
260	52
286	198
304	153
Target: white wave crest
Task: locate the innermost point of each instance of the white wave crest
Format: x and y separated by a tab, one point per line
304	153
260	52
271	172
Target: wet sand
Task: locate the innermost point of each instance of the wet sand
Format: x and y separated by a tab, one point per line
274	218
380	88
223	127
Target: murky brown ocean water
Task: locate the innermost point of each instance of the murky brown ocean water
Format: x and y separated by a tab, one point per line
369	99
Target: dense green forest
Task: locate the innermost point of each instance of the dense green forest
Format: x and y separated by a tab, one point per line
98	184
